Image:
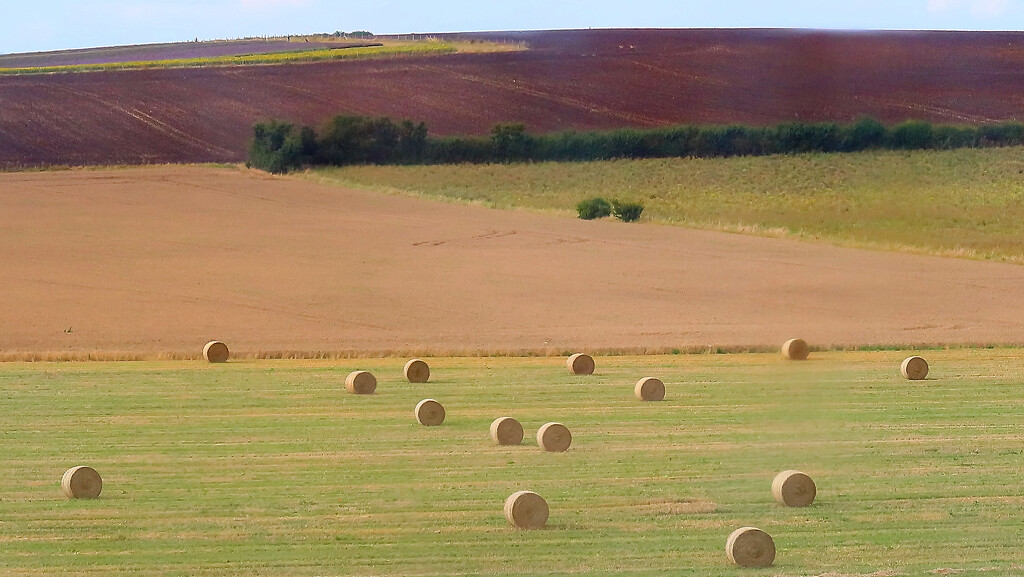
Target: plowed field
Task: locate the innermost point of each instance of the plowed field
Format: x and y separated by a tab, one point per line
158	260
568	80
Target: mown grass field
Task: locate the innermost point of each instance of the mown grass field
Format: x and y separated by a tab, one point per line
269	468
961	203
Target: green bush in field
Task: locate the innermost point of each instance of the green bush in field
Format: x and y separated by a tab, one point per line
350	139
627	211
276	147
864	134
911	135
511	142
592	208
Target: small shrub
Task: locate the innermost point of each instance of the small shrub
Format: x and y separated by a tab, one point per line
911	135
864	134
511	142
627	211
592	208
277	148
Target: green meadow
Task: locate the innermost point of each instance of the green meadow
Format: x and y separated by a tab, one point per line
271	468
966	202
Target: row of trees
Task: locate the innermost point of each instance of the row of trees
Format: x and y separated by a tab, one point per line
280	147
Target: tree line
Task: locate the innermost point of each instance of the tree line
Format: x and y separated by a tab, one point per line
280	146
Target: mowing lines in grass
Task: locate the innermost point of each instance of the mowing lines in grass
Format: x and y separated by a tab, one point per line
263	467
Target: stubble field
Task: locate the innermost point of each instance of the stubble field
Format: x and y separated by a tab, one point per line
154	262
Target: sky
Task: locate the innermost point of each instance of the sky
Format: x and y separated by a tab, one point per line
60	24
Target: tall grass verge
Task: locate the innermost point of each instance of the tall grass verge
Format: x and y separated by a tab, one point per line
962	203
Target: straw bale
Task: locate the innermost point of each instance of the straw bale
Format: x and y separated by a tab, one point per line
554	437
649	389
914	368
417	371
506	431
81	483
795	349
361	383
793	489
216	352
580	364
750	547
526	510
429	413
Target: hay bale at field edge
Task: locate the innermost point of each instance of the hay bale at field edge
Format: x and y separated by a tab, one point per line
216	352
795	350
554	437
506	431
81	483
526	510
914	368
793	489
417	371
750	547
361	383
429	413
649	389
580	364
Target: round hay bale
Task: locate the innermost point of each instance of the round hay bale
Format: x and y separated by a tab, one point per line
361	383
81	483
914	368
649	389
580	364
526	510
795	350
750	547
417	371
793	489
554	437
506	431
216	352
429	413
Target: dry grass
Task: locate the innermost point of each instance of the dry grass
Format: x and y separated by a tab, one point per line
327	355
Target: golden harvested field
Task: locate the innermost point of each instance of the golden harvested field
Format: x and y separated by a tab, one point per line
145	262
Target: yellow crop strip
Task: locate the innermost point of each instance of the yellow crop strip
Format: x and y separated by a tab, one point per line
316	55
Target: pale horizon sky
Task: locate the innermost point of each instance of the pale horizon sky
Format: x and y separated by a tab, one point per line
64	24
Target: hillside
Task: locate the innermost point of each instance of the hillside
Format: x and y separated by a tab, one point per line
585	79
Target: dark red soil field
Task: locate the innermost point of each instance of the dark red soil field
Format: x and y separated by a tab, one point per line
568	80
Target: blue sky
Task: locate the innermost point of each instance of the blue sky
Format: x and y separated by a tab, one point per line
59	24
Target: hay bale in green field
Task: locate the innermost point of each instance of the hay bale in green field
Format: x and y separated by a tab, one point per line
361	383
81	483
750	547
429	413
795	350
216	352
793	489
914	368
580	364
526	510
649	389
